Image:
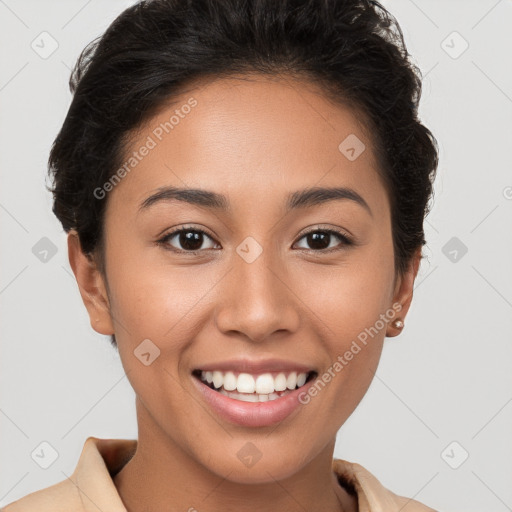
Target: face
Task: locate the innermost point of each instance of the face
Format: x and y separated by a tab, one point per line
267	279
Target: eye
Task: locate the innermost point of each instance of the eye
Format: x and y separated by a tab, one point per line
320	240
190	239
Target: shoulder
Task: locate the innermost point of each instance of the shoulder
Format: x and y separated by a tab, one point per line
90	487
61	497
372	495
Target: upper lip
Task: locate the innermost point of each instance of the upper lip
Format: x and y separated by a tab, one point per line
256	366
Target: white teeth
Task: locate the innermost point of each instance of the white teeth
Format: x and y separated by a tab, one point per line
291	381
280	382
230	381
245	383
301	379
250	397
217	379
264	386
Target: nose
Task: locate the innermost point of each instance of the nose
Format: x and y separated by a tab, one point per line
257	300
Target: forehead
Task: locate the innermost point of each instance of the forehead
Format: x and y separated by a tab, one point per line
248	137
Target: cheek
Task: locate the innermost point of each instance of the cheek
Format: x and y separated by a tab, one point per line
166	303
351	296
353	303
150	303
352	332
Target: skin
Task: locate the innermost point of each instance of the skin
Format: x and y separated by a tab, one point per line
253	141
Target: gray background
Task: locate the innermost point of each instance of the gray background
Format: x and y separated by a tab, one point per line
446	379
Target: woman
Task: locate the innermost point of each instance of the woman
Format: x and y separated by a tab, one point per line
244	185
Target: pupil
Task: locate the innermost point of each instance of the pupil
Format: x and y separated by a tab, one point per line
189	239
319	240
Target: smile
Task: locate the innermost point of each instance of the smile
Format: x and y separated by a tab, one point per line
248	387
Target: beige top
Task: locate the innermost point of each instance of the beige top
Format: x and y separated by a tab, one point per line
90	488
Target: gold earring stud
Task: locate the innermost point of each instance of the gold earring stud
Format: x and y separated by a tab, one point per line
398	324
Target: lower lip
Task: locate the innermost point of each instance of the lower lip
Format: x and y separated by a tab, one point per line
251	414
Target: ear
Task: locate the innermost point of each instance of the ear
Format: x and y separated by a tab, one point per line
403	292
91	285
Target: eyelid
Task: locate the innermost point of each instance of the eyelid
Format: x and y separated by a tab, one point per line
346	239
163	239
329	229
184	227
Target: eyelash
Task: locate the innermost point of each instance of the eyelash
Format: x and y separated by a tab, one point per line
346	241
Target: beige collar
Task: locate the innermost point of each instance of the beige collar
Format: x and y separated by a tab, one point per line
101	459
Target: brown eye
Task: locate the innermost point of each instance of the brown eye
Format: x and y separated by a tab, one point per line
186	240
320	240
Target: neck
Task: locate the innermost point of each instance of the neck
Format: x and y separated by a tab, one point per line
162	476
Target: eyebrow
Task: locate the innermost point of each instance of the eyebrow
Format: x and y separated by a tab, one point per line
305	198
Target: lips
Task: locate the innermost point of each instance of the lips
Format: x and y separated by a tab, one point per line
253	393
250	409
255	367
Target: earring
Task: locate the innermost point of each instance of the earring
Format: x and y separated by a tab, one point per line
398	324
